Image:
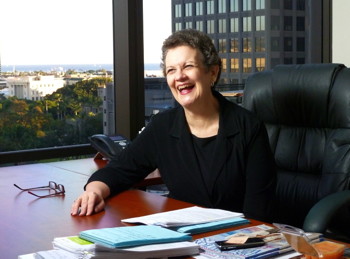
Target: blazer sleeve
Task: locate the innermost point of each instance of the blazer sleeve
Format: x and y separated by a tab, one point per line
132	165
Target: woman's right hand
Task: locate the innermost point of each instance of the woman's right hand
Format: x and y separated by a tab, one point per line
91	201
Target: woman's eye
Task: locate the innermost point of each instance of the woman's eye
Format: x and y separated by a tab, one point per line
169	71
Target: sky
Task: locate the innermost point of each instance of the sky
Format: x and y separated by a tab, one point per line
72	31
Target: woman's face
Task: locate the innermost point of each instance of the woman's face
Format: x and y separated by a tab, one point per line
188	78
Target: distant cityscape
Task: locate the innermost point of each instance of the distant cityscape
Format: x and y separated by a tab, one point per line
66	67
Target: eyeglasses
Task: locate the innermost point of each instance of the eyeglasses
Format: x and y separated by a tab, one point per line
57	188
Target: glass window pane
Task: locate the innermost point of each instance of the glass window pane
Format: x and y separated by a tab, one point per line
60	72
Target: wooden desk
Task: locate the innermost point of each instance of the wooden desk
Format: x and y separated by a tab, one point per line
29	224
88	166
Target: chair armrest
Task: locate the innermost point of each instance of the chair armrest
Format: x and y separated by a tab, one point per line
321	213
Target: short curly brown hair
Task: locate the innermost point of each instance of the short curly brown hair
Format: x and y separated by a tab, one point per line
196	40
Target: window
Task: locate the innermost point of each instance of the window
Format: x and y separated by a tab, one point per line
178	12
247	65
222	6
178	26
234	25
300	60
275	4
222	25
233	6
224	65
275	23
260	64
222	46
188	25
260	4
288	4
260	44
247	45
199	26
260	23
210	7
288	44
234	65
301	5
247	23
188	9
275	44
247	5
300	23
288	23
288	61
43	98
301	44
234	45
199	8
210	26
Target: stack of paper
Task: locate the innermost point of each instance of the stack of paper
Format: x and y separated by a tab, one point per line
149	251
129	236
192	220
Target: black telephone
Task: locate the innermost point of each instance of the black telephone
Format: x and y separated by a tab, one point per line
108	146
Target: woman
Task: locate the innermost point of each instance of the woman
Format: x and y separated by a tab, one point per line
209	151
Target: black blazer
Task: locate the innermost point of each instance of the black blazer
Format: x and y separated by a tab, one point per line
243	173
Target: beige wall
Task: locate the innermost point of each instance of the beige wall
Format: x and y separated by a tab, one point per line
341	32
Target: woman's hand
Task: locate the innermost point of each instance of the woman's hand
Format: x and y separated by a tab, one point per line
91	201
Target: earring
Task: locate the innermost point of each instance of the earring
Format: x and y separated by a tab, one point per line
212	84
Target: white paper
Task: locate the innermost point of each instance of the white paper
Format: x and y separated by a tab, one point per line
188	216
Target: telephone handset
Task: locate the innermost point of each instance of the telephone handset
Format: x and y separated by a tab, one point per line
108	146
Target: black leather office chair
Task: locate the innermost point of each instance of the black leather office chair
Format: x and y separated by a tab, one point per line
306	109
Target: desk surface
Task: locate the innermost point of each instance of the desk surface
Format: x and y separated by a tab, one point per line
29	224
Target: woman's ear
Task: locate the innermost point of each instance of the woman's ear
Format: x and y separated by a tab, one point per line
214	70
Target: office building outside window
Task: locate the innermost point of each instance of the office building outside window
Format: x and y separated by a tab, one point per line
247	65
210	7
222	6
234	45
288	23
247	5
260	44
234	5
234	25
222	26
199	8
224	65
188	9
234	65
210	26
247	44
222	46
178	12
188	25
247	24
260	64
260	23
260	4
199	26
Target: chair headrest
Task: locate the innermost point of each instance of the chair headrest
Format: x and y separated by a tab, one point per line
310	95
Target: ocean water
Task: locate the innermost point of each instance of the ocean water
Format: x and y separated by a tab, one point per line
65	67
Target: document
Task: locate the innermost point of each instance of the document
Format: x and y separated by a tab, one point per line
182	217
119	237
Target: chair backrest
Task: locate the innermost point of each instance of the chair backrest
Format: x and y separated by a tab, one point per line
306	109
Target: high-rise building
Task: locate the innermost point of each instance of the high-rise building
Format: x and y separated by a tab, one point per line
256	35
